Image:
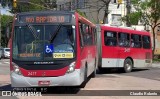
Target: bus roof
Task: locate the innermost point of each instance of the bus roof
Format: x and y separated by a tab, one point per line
125	30
81	18
47	12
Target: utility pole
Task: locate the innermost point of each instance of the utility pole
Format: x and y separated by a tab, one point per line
0	24
128	6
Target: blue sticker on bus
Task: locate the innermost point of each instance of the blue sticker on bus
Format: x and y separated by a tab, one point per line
49	49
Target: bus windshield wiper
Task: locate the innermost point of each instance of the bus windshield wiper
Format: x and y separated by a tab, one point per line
32	29
55	33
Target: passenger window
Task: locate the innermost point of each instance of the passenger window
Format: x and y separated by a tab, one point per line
110	38
86	34
136	41
146	42
81	34
124	39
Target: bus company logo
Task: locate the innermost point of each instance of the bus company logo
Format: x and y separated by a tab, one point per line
43	62
127	50
6	93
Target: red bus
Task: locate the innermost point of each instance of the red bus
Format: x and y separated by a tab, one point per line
52	48
123	48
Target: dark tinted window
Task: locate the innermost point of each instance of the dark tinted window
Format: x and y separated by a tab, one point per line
110	38
124	39
136	41
146	42
87	36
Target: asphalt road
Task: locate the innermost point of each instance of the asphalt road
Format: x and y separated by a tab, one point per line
139	79
4	67
149	73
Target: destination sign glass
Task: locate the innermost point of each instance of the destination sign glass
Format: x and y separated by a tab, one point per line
44	18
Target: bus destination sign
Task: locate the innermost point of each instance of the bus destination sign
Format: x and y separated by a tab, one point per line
44	19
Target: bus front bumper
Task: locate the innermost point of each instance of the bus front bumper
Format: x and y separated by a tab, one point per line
71	79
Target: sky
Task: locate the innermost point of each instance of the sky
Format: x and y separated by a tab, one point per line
5	11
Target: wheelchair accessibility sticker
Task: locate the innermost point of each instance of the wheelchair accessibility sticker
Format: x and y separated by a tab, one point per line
49	49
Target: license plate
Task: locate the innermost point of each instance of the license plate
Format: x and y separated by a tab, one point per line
44	83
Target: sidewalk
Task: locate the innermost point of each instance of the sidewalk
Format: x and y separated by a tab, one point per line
4	80
156	65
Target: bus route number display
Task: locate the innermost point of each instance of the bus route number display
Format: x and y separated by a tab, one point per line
44	19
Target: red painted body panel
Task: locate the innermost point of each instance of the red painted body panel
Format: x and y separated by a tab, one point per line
85	54
43	73
11	40
120	52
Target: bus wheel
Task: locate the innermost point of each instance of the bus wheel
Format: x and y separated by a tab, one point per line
100	69
128	65
85	78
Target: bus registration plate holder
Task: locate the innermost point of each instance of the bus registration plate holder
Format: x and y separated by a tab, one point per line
44	83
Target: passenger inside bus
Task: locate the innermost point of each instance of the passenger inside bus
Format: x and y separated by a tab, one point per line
110	39
64	39
110	42
136	41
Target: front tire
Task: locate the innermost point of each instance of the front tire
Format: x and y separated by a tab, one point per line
128	65
85	79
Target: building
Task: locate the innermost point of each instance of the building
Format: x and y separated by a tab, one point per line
157	41
94	10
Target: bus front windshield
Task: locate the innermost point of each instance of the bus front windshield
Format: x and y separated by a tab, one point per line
44	42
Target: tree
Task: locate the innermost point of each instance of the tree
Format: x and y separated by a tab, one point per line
5	19
99	5
35	5
5	3
29	5
104	5
150	14
132	18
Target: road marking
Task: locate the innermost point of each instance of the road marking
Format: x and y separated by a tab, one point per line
6	62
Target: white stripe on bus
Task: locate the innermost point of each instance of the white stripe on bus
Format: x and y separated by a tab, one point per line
113	62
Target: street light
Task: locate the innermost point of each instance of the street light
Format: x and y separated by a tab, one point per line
14	3
119	1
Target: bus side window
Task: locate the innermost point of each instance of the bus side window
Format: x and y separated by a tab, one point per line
110	38
95	36
124	39
81	35
136	41
146	42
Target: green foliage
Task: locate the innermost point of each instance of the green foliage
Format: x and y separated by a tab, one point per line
5	19
149	10
156	60
32	5
134	17
150	14
84	15
81	13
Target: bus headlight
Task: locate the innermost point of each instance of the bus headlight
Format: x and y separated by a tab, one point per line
16	69
71	67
